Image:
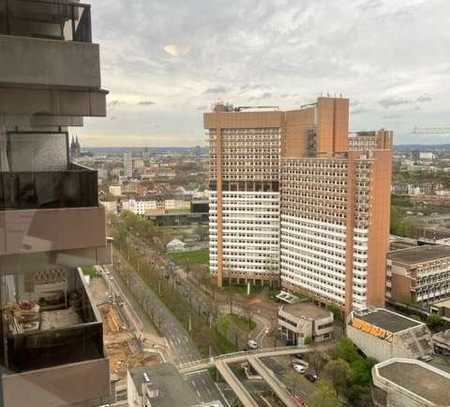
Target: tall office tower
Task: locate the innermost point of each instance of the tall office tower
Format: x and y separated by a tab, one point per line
128	164
329	208
370	140
51	335
244	194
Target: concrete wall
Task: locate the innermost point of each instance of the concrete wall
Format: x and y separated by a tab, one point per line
31	152
378	348
53	102
25	61
371	345
84	384
31	231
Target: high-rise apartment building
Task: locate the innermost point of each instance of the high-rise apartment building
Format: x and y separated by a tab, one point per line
51	334
128	164
297	201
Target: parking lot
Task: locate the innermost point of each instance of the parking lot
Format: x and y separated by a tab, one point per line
295	381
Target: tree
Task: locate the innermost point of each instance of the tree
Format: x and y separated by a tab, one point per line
346	350
307	340
338	372
435	322
316	361
362	371
324	396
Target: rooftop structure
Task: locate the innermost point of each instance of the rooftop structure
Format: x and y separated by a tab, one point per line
384	334
159	386
388	320
441	342
420	254
420	274
409	382
301	320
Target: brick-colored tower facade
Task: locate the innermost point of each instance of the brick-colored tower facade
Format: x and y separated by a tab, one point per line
295	200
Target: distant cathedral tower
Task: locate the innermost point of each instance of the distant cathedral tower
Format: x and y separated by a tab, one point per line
75	148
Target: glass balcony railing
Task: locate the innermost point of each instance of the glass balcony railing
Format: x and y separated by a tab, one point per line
39	332
76	187
59	20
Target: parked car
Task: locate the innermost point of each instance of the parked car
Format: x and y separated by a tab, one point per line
301	362
311	376
299	368
252	345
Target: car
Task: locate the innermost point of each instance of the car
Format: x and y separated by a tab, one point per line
301	362
252	345
299	368
311	376
300	355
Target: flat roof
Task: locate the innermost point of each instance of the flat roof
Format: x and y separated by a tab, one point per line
388	320
306	309
445	303
418	379
420	254
173	390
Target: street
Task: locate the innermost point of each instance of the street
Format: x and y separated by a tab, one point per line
145	303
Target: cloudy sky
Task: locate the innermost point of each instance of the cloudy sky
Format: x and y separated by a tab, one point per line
166	61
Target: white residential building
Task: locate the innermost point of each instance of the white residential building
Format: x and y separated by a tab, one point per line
128	164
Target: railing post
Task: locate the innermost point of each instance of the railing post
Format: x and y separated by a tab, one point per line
8	26
72	8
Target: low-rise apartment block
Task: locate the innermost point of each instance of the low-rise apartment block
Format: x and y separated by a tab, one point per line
419	274
305	320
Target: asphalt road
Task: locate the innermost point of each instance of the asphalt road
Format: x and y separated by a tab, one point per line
147	302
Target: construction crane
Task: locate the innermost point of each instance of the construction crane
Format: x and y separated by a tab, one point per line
431	130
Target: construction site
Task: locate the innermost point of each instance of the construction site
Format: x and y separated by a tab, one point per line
122	344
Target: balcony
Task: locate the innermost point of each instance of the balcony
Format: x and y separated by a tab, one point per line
51	313
76	187
62	19
33	32
50	211
25	63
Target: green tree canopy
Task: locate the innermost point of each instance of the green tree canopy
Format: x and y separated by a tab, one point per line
324	396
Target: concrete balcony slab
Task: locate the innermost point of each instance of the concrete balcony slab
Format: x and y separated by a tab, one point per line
44	230
25	62
52	102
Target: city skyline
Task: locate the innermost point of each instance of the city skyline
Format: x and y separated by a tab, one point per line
281	53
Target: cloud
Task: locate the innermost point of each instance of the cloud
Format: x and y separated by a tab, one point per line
146	103
195	51
424	99
177	50
359	110
389	102
115	103
215	90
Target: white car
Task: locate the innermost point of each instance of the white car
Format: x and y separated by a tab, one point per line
301	362
252	344
299	368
